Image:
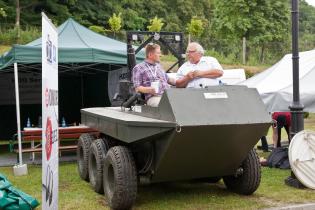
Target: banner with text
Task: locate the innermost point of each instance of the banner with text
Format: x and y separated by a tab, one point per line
50	121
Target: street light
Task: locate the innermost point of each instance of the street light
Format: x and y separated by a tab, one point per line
296	107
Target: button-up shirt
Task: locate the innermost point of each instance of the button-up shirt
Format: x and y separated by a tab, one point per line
144	73
205	63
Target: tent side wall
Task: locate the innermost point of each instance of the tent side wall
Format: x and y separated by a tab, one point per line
75	92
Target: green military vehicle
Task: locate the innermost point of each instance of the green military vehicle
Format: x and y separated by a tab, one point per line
193	133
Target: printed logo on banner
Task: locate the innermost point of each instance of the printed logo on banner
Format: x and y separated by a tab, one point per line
51	137
48	185
51	97
50	51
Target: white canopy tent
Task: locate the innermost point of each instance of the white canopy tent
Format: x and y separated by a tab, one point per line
275	85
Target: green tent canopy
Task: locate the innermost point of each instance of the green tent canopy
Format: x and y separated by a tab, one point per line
77	44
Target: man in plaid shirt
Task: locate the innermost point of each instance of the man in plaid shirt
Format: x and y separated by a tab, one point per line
149	78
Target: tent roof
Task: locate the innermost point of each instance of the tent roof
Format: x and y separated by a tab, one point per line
275	85
77	44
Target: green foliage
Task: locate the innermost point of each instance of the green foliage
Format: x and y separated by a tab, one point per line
115	23
195	27
306	26
98	29
2	13
156	24
265	24
10	36
132	20
260	22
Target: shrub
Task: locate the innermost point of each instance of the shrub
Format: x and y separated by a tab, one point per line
9	36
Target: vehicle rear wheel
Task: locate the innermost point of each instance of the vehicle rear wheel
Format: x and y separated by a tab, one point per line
120	178
83	149
98	150
247	178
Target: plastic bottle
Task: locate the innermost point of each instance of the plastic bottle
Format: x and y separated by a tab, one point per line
63	122
28	123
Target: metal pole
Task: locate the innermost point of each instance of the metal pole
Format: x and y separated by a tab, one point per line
296	107
131	59
18	120
244	50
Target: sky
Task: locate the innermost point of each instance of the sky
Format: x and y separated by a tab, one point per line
311	2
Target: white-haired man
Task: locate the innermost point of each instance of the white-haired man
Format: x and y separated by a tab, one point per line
199	71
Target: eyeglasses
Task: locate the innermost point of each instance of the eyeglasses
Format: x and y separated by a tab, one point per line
191	51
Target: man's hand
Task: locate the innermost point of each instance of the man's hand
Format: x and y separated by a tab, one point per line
190	76
149	90
181	83
213	73
196	74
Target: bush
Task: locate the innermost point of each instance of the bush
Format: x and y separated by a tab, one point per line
98	29
10	36
29	34
306	114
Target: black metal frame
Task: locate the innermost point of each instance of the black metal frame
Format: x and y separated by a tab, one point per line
161	38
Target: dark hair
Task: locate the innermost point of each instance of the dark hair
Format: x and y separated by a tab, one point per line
151	47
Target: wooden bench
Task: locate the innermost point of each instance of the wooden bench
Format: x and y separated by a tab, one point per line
33	135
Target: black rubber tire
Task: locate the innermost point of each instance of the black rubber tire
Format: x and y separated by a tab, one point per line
120	178
97	154
248	181
83	150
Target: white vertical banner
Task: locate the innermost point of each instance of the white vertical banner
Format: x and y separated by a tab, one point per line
50	134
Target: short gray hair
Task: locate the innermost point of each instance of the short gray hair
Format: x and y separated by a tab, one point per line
198	47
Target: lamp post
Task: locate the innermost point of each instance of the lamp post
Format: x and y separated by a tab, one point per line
296	107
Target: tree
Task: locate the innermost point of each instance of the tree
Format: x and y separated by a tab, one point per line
156	24
260	22
115	23
195	27
17	20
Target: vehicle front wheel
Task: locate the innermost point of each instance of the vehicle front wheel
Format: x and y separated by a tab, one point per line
246	180
120	178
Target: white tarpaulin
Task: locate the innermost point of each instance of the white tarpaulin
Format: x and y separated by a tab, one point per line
275	85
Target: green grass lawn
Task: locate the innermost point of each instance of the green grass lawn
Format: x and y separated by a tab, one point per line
75	193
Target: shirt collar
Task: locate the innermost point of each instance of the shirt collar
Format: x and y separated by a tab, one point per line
152	64
202	59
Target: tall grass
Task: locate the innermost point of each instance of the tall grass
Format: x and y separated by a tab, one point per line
10	36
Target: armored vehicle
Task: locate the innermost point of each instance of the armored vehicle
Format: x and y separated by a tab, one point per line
193	133
206	133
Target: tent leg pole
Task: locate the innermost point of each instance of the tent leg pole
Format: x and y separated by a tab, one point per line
20	169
